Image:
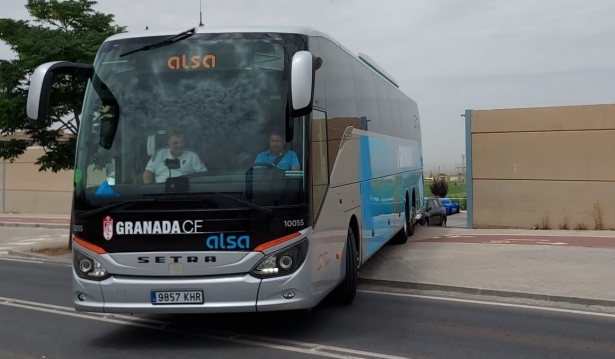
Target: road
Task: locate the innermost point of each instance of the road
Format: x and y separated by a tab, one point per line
459	220
39	323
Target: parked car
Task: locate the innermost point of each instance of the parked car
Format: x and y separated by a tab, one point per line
432	212
451	207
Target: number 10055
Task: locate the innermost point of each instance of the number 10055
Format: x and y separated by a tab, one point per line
293	223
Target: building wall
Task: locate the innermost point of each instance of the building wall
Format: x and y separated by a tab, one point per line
545	167
32	192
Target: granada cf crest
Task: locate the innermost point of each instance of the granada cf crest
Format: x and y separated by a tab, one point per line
108	228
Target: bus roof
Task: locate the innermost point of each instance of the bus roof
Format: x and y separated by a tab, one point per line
365	60
213	30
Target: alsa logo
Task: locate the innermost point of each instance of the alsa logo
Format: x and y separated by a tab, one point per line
221	241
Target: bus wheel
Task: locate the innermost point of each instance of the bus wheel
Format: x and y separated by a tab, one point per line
408	229
346	290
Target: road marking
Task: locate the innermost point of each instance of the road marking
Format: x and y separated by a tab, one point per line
4	256
19	260
496	304
30	241
20	243
534	234
260	341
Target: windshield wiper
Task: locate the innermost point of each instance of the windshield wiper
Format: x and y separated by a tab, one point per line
189	195
169	196
168	41
111	206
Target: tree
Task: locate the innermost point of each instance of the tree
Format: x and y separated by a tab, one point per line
439	187
69	30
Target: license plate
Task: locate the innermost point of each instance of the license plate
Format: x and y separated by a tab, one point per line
179	297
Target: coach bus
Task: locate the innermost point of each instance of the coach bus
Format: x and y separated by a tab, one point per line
233	169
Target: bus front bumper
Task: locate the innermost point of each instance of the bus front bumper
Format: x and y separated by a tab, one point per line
221	294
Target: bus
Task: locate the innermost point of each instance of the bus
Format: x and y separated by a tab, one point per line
245	169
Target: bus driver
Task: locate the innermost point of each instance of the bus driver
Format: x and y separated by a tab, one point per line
277	155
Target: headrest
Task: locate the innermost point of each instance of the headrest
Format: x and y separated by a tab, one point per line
155	141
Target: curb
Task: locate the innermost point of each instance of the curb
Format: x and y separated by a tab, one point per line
35	256
37	225
485	292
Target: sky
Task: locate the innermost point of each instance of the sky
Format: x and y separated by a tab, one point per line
448	55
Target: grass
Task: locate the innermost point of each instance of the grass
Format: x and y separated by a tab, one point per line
455	189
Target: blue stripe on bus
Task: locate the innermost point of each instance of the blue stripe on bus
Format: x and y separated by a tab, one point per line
382	189
365	172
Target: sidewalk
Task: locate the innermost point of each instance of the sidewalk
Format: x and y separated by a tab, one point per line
547	266
35	220
54	249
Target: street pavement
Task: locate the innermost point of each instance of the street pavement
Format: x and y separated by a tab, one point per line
459	220
569	267
526	240
37	321
33	220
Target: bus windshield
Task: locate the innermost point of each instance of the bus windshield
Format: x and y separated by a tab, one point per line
206	114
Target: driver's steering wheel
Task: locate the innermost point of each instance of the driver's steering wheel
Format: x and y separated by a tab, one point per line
267	164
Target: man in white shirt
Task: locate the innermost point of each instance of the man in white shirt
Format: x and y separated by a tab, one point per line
172	161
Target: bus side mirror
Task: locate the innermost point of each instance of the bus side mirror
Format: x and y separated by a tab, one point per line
302	76
41	83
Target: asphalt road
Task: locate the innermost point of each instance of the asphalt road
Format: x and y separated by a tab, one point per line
458	220
38	322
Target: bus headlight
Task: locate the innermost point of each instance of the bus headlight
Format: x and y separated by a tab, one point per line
283	262
88	268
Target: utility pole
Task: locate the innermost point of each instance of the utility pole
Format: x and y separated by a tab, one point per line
201	13
462	168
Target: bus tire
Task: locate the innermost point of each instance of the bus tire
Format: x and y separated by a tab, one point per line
411	221
407	230
346	291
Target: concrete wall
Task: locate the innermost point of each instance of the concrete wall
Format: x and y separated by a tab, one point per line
29	191
542	167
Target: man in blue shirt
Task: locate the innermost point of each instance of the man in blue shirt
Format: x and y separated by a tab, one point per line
286	159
